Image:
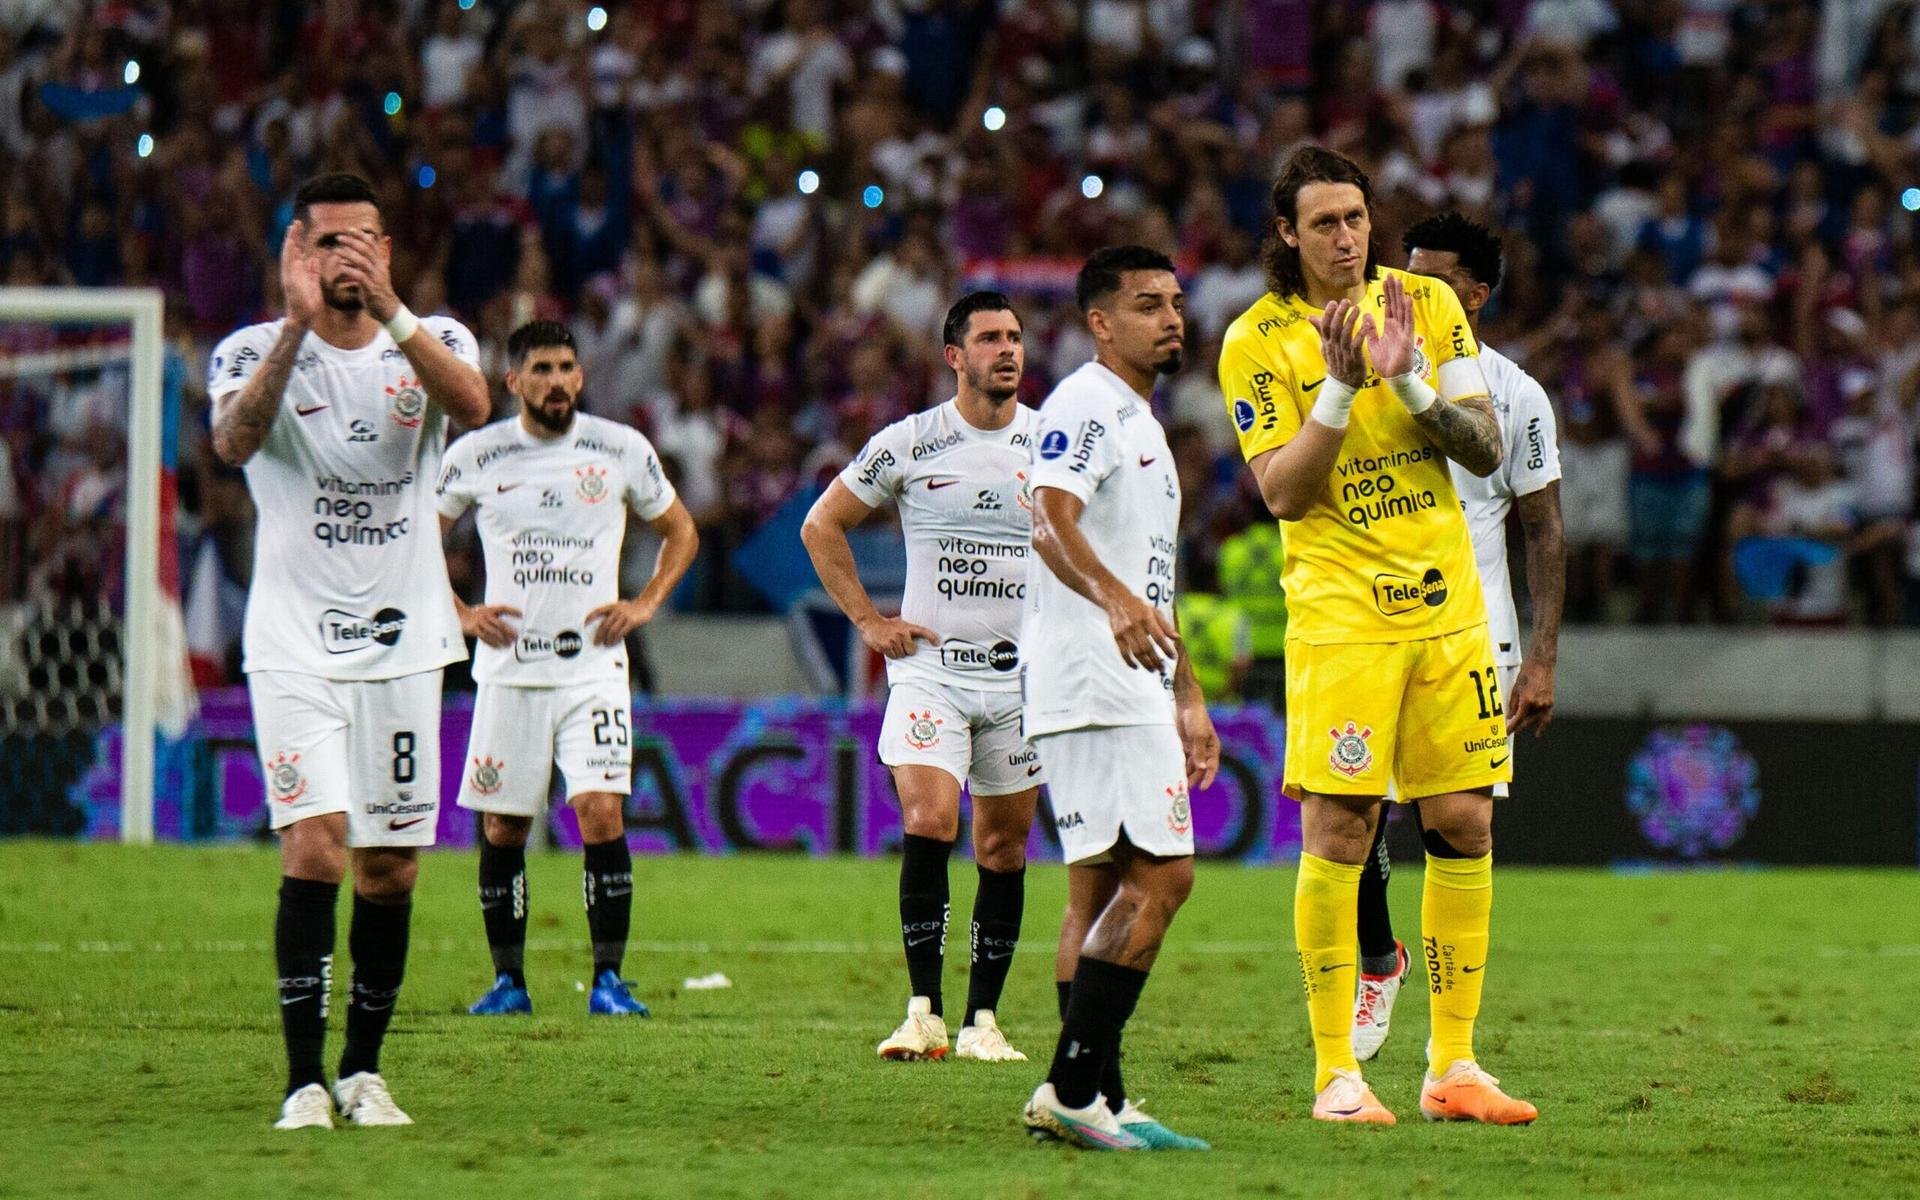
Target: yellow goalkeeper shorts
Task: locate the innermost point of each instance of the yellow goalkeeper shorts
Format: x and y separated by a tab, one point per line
1426	715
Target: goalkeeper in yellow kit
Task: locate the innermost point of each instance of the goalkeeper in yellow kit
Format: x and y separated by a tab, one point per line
1350	385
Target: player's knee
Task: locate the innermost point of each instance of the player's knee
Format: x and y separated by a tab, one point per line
929	819
506	832
601	816
386	878
1458	842
1175	885
998	850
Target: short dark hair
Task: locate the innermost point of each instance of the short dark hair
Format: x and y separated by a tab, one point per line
1451	232
1100	277
1309	164
537	335
953	331
338	187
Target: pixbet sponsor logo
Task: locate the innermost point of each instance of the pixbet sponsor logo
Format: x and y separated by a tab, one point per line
935	445
346	633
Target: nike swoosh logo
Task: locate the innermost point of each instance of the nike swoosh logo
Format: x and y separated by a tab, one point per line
1501	761
1336	967
992	957
1471	970
616	893
1307	387
307	412
1033	770
1343	1112
505	487
934	485
613	775
399	825
1147	462
286	1000
922	941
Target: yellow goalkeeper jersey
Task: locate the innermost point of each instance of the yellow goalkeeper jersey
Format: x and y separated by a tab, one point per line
1382	554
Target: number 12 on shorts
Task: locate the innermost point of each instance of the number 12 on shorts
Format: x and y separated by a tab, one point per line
1488	690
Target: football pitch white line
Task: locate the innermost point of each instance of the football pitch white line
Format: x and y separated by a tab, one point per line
1030	946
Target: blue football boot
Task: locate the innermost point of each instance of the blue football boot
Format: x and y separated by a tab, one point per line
610	998
503	999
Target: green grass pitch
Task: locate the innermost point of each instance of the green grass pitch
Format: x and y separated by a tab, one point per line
1734	1033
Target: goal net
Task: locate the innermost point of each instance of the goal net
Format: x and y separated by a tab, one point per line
92	649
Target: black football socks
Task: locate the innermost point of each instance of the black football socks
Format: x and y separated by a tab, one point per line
1102	1000
377	939
996	931
303	932
924	909
503	906
608	888
1379	953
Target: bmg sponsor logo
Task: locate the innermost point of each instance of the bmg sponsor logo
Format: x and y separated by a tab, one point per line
346	633
876	466
1396	594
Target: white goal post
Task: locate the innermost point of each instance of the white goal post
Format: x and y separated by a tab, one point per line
141	309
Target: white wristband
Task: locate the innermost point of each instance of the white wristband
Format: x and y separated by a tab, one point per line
1335	405
402	324
1414	392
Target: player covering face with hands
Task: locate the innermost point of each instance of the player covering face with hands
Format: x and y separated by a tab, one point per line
338	413
1112	705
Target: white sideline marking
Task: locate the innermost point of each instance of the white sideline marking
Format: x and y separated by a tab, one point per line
1030	946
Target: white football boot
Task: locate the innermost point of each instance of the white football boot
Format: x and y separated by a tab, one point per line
921	1036
364	1099
982	1041
306	1108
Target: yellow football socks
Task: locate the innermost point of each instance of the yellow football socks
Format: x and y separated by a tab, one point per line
1456	908
1326	928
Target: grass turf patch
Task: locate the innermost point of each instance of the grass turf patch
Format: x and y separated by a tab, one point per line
1734	1033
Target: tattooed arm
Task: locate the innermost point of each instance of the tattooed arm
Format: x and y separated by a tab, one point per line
241	421
1466	431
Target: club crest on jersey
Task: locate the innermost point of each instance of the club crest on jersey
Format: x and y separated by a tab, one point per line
1024	497
1351	755
285	778
1421	366
1179	810
409	402
923	730
593	483
486	775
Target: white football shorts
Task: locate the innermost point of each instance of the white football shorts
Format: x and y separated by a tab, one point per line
367	748
1110	779
521	733
972	735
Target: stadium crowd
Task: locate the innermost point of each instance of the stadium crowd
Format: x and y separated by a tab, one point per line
754	212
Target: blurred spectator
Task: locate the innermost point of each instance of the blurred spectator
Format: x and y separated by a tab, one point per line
755	212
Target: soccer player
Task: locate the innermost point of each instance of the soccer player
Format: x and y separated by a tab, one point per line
958	473
553	488
339	414
1466	256
1111	702
1350	385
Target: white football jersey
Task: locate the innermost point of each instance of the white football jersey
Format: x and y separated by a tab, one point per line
968	521
349	581
1098	440
1530	460
553	513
